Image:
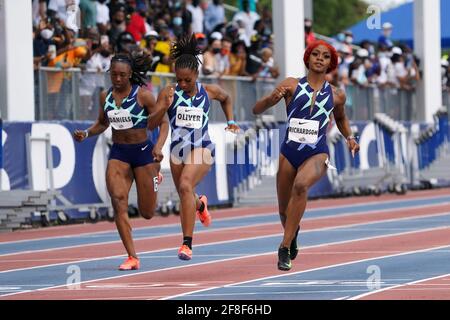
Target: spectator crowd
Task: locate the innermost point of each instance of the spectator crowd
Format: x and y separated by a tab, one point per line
86	33
242	46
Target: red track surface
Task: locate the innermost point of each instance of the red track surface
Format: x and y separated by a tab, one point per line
235	212
31	259
435	289
168	282
133	286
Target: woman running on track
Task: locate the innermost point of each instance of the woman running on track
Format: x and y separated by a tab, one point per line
192	151
304	155
126	107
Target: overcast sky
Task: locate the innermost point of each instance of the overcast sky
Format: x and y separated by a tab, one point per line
387	4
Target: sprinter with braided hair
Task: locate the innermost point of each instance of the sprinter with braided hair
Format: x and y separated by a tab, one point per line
192	152
127	108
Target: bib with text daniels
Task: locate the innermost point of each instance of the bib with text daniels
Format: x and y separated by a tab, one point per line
120	119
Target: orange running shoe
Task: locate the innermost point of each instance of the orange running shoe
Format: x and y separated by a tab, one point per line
204	216
184	253
131	263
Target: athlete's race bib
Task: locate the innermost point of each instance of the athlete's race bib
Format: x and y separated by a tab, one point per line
303	131
120	119
188	117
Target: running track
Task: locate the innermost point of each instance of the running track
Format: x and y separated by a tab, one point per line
388	247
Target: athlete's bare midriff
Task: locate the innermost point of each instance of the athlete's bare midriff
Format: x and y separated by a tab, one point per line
129	136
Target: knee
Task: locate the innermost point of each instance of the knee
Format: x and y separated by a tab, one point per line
119	203
118	198
299	188
185	188
147	215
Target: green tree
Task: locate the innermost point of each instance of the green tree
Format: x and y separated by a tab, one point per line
330	16
333	16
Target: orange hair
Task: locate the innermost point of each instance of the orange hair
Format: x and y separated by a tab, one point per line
333	52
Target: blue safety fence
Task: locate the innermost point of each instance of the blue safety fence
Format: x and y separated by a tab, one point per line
79	167
1	148
240	162
432	139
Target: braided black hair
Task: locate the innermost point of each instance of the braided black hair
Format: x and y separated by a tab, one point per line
185	53
140	63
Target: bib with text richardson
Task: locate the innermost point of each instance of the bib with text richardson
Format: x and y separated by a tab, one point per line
188	117
120	119
303	131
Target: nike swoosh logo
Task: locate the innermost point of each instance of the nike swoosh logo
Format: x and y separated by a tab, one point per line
144	148
130	100
188	110
198	98
322	93
300	123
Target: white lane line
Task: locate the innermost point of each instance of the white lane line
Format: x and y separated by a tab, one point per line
230	259
398	286
334	228
369	212
363	204
310	270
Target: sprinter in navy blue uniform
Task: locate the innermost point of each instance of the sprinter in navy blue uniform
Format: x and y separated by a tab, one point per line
187	105
127	108
304	155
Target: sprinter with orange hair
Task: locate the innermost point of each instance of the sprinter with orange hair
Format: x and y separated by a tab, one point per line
304	153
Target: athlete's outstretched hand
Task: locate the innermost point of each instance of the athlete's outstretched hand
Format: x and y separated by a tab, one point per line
233	128
278	94
353	146
157	154
168	98
79	135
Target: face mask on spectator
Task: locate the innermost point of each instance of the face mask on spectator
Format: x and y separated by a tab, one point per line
105	53
118	21
101	1
47	34
246	6
225	52
349	40
177	21
216	50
